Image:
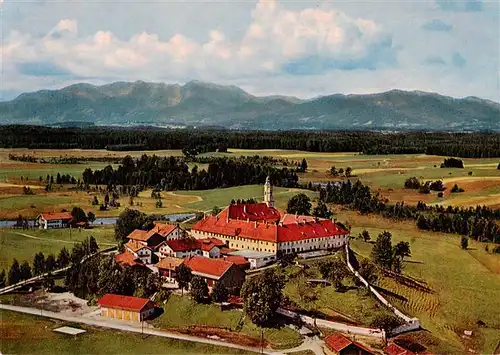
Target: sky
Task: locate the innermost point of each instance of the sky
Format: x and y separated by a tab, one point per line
299	48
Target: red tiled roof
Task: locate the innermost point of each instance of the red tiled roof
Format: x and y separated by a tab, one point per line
337	342
169	263
207	267
307	229
135	245
300	229
57	215
208	244
128	303
139	234
237	259
395	349
183	244
162	229
127	258
253	212
217	242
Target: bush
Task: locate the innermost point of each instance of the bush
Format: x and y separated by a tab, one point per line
455	188
440	194
452	163
412	183
425	189
436	185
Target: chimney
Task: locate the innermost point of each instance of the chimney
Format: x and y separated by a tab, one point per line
255	224
248	220
244	208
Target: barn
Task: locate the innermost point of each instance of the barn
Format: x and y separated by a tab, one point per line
126	307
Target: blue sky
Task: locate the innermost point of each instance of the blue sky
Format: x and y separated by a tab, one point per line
301	48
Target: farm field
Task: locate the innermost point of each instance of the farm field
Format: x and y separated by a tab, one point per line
466	283
383	173
24	244
183	313
173	202
26	334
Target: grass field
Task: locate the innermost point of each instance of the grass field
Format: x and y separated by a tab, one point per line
466	282
181	312
383	173
26	334
15	245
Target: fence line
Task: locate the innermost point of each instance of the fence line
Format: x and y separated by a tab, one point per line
410	323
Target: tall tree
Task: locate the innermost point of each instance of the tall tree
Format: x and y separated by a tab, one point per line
322	211
78	215
368	271
25	271
382	253
199	289
63	258
129	220
262	295
183	276
335	271
219	293
14	273
402	249
39	265
299	204
50	263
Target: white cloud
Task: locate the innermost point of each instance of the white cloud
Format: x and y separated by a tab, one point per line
355	49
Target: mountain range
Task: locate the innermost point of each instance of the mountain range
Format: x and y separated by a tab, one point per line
202	104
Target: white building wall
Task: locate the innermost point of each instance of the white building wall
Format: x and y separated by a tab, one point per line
334	241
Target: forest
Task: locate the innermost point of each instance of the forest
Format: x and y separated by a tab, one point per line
172	173
477	222
466	145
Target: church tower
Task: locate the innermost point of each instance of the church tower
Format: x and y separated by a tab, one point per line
268	193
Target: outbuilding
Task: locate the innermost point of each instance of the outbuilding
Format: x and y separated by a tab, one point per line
257	259
126	307
53	220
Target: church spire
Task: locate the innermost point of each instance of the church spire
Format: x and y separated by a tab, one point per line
268	193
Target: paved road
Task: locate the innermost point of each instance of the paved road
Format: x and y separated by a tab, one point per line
129	327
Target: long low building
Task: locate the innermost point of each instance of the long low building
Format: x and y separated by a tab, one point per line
260	227
256	259
126	307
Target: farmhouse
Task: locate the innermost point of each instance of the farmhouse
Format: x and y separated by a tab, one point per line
215	271
260	227
126	307
53	220
180	248
155	237
166	268
140	251
342	345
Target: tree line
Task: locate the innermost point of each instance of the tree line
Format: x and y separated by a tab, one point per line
172	173
479	223
41	265
467	145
